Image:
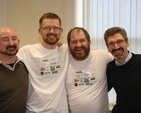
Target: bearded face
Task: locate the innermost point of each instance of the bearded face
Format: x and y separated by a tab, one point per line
81	52
50	31
79	45
51	38
10	50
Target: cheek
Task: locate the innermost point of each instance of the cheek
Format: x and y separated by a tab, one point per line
43	35
2	47
58	34
71	46
127	45
17	44
109	49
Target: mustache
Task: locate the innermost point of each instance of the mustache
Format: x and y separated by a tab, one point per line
51	34
13	46
117	49
81	47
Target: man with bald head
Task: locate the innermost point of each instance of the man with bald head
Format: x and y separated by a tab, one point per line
13	74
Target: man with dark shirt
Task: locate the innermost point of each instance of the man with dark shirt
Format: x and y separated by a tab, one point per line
13	74
123	73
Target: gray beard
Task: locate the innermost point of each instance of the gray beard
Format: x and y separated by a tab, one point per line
8	54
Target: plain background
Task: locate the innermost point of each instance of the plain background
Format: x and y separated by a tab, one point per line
23	16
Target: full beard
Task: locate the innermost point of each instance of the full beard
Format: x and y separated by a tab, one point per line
80	56
50	41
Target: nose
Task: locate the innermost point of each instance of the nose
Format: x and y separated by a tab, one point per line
51	30
11	42
78	44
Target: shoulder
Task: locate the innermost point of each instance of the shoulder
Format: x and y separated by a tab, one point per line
136	57
63	47
101	52
27	50
30	46
20	62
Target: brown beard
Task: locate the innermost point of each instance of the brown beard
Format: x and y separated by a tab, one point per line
80	57
49	42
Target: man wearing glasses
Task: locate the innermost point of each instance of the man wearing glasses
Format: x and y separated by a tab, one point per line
47	65
123	73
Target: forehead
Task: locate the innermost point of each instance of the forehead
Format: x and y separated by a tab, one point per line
7	33
50	22
115	37
77	34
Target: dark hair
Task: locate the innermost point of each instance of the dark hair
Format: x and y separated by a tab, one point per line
114	30
78	29
49	15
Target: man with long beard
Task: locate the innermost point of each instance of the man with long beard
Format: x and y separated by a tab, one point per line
13	74
47	65
123	73
86	77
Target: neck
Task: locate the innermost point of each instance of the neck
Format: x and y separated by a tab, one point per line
48	46
8	59
121	61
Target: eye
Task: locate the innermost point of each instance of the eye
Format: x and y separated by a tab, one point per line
119	41
82	40
111	43
5	39
46	28
56	28
73	42
14	38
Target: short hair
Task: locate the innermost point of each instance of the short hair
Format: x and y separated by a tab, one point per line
49	15
114	30
78	29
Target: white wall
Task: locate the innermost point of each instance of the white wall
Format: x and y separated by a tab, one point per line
23	17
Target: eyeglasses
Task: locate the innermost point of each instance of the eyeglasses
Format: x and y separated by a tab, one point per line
118	42
48	29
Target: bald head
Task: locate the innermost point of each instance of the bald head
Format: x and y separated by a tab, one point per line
9	42
7	30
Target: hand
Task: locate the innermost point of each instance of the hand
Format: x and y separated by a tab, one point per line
59	44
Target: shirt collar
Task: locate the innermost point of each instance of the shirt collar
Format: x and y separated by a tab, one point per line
9	67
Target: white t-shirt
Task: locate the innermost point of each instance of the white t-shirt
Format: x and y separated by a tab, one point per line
47	71
87	84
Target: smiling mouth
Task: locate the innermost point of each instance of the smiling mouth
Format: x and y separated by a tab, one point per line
50	37
12	48
118	52
79	50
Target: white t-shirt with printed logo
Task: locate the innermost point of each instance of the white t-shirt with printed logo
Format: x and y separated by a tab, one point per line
47	71
87	84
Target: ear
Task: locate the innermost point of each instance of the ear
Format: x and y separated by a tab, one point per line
90	42
127	44
19	40
61	31
39	31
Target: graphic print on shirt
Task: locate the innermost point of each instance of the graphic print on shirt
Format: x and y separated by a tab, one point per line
49	66
83	77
